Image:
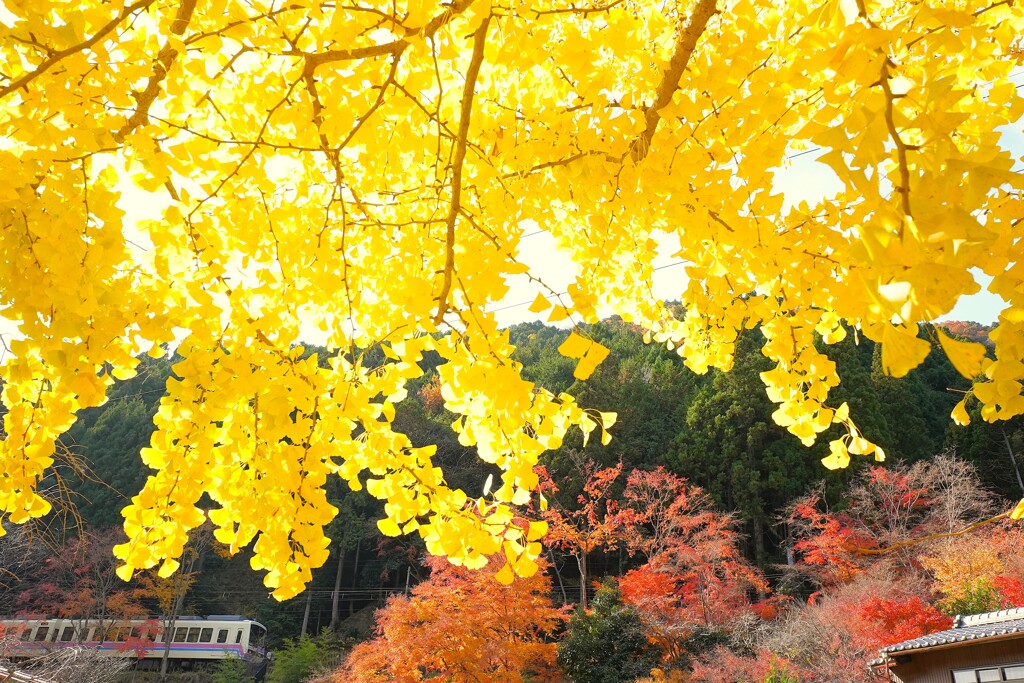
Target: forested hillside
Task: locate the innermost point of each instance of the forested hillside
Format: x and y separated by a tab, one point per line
709	437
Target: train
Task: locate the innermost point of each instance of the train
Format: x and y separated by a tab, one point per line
195	642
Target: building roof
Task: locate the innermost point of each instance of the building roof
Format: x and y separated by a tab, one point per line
965	628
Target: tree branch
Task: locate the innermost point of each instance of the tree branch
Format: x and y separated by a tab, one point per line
462	135
164	60
313	60
901	147
578	10
61	54
687	41
930	537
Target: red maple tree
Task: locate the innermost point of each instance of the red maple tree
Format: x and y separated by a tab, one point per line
695	576
594	523
893	620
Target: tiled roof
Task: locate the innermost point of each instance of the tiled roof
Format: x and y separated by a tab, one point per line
973	627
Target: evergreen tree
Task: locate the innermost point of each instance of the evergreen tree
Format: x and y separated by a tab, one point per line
608	643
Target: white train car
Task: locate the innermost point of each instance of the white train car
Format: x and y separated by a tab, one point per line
194	641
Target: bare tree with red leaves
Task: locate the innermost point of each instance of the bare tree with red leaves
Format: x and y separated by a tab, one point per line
594	524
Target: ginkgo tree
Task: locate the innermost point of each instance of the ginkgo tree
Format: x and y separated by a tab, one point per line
370	169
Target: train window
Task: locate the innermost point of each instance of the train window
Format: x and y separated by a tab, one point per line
41	633
206	635
222	635
193	635
179	635
136	632
27	634
238	636
68	634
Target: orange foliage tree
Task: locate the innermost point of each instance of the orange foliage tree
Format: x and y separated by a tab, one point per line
984	570
462	625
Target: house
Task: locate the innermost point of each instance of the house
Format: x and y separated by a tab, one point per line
979	648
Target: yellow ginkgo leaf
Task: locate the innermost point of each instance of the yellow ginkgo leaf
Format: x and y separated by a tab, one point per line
838	457
537	530
539	304
902	349
960	415
388	527
168	567
505	575
589	353
967	357
574	346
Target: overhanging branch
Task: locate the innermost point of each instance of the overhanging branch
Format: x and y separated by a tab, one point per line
929	537
685	44
164	60
56	57
313	60
466	110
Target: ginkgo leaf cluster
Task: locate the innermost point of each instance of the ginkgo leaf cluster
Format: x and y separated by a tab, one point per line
370	171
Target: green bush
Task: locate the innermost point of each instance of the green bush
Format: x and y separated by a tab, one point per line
231	671
607	644
295	661
979	596
779	675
